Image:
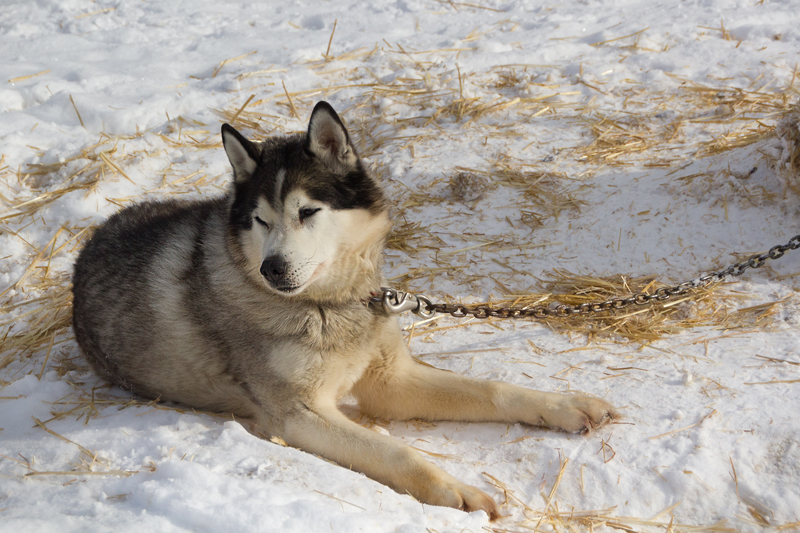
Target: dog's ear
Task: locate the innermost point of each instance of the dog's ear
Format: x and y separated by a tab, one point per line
328	140
242	154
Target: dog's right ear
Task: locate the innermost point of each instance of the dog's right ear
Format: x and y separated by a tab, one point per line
242	154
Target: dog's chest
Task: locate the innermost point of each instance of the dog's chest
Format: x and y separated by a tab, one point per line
331	354
325	328
340	328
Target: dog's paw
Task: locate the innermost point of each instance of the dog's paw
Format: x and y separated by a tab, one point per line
473	499
459	496
577	413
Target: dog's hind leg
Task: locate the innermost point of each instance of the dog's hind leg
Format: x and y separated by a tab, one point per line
397	387
327	432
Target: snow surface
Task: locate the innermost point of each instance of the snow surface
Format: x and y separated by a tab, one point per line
731	452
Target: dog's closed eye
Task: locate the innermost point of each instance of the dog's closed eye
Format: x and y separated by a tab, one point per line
308	212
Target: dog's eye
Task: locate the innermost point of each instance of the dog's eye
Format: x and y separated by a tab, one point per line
261	222
308	212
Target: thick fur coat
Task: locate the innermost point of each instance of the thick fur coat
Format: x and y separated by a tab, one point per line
254	303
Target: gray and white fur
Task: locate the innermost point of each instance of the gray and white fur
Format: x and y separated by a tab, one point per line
254	303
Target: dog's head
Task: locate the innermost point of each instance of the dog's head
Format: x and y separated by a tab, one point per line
305	213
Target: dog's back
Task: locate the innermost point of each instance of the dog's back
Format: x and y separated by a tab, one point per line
130	279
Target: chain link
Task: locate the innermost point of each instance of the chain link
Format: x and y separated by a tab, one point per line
393	301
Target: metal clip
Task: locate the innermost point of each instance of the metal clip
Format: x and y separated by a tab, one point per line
395	302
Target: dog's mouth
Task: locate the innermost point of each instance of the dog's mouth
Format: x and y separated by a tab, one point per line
287	289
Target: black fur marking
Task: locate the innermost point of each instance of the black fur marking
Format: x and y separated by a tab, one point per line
245	198
344	188
353	189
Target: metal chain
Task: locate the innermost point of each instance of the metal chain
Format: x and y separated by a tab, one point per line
393	301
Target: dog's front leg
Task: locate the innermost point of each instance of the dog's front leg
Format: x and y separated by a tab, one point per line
327	432
399	388
432	394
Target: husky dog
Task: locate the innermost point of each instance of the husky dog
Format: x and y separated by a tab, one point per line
255	303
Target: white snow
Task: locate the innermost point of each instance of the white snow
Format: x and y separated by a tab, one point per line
707	440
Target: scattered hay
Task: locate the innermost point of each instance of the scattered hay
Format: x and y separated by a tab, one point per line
556	515
48	320
654	128
736	139
82	171
615	139
412	237
467	187
747	109
543	193
638	324
788	133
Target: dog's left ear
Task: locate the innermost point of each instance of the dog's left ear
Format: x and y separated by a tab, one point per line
242	154
327	138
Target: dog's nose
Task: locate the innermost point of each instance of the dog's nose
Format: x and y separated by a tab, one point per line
274	269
